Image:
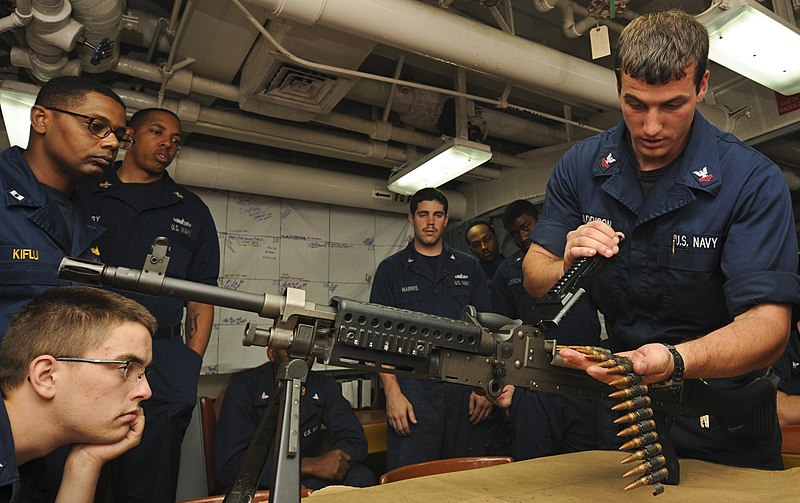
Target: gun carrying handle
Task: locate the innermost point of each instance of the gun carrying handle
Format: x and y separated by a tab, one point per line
663	427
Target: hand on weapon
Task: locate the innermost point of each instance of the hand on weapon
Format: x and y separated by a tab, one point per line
590	239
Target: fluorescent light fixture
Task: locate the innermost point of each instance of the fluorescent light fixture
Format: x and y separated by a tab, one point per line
16	107
447	162
754	42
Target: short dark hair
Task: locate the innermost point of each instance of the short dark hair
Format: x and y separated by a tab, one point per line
516	209
658	47
143	114
475	222
428	194
68	320
67	92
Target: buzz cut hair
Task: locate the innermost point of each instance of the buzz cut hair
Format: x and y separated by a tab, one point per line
69	92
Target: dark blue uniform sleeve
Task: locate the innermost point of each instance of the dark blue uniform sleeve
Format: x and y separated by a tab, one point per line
480	297
346	432
238	420
382	291
204	267
502	299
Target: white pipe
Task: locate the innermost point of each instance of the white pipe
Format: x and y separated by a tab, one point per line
21	16
102	19
420	108
219	170
417	27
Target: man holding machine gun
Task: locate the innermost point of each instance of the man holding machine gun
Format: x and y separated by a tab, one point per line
703	286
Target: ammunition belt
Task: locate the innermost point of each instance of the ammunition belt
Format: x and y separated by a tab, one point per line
636	413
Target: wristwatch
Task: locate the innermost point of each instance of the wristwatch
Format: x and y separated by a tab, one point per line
677	366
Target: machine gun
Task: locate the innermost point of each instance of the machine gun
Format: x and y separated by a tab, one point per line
482	350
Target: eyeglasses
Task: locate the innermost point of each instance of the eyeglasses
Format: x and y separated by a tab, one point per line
133	371
526	227
100	128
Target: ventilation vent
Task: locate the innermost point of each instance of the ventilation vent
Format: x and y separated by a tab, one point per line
301	86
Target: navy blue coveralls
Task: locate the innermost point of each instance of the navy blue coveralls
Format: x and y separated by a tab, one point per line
406	281
134	215
247	399
34	237
547	423
714	238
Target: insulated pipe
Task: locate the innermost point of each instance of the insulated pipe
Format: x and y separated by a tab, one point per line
102	19
219	170
21	16
50	35
234	126
417	27
420	108
187	82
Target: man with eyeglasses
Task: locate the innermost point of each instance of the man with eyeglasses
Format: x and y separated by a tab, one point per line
72	373
544	423
77	128
136	201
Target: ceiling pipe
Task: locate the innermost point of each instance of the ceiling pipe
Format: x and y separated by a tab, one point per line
417	27
219	170
568	10
102	20
420	108
21	16
235	126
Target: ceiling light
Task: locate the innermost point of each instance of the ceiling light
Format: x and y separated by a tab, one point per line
754	42
447	162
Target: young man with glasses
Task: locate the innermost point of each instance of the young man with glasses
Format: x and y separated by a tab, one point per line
72	373
136	201
77	128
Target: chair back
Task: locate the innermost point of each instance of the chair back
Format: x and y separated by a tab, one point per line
208	422
442	466
790	448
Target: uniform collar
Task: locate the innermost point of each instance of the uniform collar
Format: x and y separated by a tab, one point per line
699	166
9	471
696	169
21	186
165	191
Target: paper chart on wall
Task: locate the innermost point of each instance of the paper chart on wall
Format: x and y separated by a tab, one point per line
251	257
254	215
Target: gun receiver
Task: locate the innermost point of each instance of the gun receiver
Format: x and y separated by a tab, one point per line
482	350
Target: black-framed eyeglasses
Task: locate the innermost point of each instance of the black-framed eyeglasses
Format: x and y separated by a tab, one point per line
100	128
132	370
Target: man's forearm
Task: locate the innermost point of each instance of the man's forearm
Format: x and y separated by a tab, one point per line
199	320
541	269
754	340
788	409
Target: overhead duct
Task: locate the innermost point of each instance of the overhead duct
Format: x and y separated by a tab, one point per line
424	29
273	86
219	170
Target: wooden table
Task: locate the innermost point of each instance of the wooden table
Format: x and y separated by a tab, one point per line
577	477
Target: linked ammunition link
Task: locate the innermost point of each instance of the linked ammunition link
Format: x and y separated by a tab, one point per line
637	414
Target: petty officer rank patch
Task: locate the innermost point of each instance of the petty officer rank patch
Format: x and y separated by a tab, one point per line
704	176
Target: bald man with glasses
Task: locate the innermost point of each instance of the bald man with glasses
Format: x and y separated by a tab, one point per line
72	373
77	128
